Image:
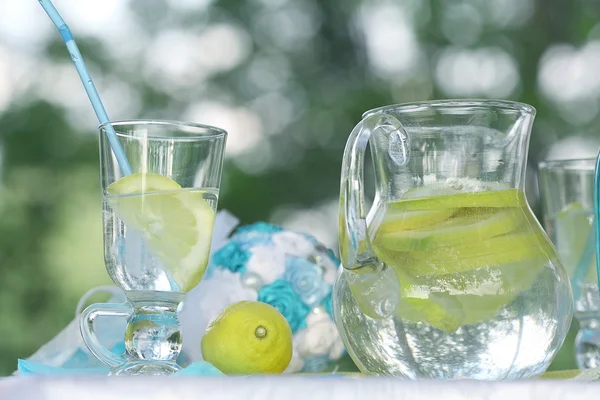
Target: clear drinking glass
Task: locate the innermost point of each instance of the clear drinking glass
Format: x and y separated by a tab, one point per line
158	226
449	275
567	194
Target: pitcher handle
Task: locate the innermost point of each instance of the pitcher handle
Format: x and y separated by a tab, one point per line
356	250
86	326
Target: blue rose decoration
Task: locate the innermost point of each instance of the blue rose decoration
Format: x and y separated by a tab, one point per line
232	257
249	240
315	364
332	257
328	303
307	280
281	295
311	239
256	234
259	227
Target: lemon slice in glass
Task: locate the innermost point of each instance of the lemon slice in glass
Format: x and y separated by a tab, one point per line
175	223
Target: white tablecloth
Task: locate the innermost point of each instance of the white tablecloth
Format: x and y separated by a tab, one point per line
284	388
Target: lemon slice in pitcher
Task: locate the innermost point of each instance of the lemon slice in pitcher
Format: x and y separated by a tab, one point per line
400	221
175	223
419	304
465	268
495	251
492	198
480	225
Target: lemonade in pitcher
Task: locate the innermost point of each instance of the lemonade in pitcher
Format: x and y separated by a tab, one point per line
449	274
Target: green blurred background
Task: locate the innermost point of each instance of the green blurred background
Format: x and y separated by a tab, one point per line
287	79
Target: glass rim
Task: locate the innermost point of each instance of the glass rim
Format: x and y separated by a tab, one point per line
453	103
571	163
211	132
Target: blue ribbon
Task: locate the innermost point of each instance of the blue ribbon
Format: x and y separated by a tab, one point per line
34	368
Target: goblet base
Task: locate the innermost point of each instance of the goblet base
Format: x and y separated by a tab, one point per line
145	368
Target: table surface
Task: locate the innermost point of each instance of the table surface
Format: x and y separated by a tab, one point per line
327	387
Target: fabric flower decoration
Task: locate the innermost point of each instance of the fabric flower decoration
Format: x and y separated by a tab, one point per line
255	235
289	270
267	262
330	265
293	244
320	336
281	295
307	280
258	227
297	362
328	303
315	364
232	257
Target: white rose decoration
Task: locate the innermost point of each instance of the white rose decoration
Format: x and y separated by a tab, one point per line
267	262
329	271
293	244
319	336
297	362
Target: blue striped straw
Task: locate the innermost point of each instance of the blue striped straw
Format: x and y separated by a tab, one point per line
88	84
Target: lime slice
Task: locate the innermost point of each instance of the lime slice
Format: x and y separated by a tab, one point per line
175	223
477	226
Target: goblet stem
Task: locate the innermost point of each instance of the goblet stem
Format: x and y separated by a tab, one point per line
153	337
587	342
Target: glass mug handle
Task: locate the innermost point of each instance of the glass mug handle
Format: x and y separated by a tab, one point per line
86	326
375	287
355	246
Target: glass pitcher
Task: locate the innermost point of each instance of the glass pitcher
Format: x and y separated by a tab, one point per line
449	274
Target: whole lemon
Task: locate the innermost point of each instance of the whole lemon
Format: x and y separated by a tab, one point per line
248	337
